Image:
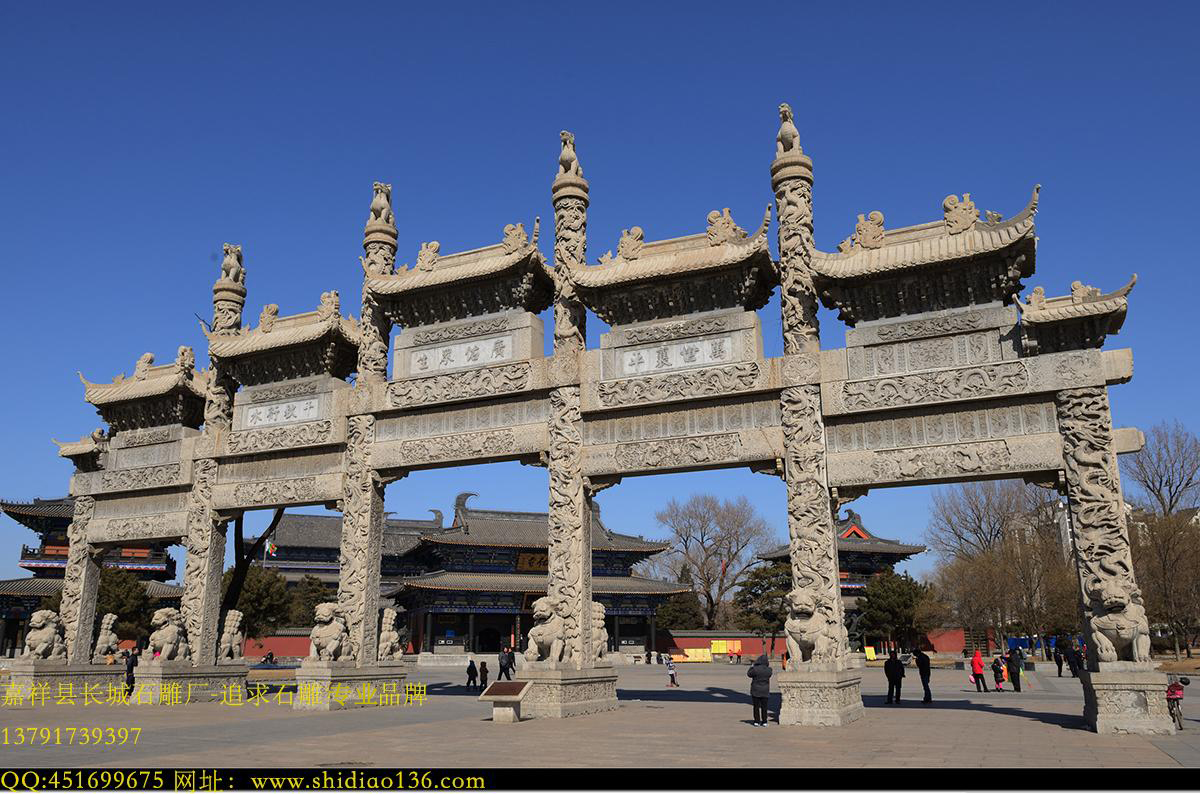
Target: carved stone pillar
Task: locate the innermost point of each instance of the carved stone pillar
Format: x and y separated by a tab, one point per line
362	538
819	688
229	299
573	684
81	582
205	541
1122	692
379	246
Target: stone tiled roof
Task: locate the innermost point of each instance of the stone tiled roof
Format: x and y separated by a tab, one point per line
40	508
532	583
869	544
1088	302
325	532
681	255
925	244
154	382
456	269
295	329
514	529
35	587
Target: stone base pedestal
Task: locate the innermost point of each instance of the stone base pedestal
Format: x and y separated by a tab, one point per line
26	674
1126	697
331	686
567	692
820	696
178	683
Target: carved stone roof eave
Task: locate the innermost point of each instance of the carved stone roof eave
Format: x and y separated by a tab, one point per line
287	332
159	381
459	268
662	259
928	244
1063	309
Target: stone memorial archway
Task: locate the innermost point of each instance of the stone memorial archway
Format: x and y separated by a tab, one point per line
946	376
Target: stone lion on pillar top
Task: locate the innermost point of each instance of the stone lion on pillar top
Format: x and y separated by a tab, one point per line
547	639
806	629
44	640
169	641
330	637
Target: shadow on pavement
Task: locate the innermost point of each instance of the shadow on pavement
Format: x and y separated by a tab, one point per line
1071	721
712	694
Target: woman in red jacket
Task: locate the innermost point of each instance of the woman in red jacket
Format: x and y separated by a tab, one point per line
977	672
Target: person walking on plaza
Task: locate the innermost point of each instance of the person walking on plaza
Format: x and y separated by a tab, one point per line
1014	669
472	674
998	673
760	688
671	681
1058	659
1078	666
894	670
977	672
131	661
483	674
923	671
507	664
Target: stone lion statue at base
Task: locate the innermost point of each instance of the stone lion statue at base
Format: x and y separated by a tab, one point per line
806	629
330	637
169	641
599	632
547	639
232	636
1118	624
107	641
44	639
393	637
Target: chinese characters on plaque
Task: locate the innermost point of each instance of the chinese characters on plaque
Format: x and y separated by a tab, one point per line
283	413
471	353
677	355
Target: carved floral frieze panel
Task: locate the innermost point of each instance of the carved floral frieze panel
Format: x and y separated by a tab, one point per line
301	489
486	382
957	384
678	452
462	446
266	439
145	477
706	382
156	526
665	331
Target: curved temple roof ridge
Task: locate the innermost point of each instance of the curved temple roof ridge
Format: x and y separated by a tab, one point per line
873	250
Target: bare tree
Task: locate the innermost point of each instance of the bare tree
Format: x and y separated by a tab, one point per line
719	540
971	518
1167	469
1166	560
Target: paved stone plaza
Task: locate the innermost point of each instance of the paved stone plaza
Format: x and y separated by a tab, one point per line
703	723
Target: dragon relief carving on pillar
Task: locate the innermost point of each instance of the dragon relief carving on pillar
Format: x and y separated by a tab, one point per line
793	206
361	513
72	609
205	543
815	620
1114	613
568	586
218	397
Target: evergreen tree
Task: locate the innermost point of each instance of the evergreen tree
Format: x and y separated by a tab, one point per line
264	600
309	592
889	606
762	600
682	610
123	594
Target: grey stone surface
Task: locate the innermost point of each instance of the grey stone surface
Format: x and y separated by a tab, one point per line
1126	698
820	697
26	674
558	693
336	685
157	682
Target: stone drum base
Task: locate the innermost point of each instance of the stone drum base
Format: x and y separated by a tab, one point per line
26	674
1126	697
568	693
179	683
331	686
820	697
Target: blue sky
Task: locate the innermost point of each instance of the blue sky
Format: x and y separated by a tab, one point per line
139	137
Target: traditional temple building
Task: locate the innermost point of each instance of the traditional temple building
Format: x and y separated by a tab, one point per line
47	562
861	556
469	587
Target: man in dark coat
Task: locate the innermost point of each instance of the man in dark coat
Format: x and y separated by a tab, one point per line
894	671
760	688
1014	669
1058	659
507	664
923	670
131	661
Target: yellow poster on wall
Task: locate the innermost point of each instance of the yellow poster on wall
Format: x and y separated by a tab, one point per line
719	647
870	651
698	654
